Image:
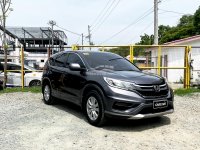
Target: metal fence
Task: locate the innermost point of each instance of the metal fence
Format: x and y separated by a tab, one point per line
158	66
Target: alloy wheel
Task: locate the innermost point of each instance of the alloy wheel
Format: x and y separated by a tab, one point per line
47	93
92	108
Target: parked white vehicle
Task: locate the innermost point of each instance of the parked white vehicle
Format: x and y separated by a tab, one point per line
31	76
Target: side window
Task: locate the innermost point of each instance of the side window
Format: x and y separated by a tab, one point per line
15	67
74	58
61	60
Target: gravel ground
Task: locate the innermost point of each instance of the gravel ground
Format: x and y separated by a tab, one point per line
27	123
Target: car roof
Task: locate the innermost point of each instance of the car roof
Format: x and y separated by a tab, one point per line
87	51
13	63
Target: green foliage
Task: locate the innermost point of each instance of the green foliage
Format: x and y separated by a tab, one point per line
122	51
145	40
183	92
197	21
162	31
185	20
19	89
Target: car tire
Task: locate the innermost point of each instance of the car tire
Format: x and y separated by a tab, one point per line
94	108
35	83
47	96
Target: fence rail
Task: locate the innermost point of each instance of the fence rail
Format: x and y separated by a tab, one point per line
159	67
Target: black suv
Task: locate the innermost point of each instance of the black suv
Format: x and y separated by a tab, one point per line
105	85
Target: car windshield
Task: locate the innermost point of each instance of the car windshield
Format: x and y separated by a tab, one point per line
102	60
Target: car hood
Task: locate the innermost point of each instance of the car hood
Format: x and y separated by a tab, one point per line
138	77
34	74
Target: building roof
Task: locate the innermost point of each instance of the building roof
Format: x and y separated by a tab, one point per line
36	34
184	40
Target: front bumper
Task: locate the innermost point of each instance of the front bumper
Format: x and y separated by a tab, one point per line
137	106
139	116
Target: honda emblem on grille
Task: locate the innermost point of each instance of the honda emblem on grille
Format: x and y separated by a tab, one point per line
156	88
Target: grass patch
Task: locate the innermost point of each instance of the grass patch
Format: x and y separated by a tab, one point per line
19	89
183	92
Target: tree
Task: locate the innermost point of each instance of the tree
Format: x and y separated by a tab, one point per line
122	51
185	20
197	21
162	30
5	6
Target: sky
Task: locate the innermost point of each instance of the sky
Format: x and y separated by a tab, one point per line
113	22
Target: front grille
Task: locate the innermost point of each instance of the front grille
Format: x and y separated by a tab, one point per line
149	91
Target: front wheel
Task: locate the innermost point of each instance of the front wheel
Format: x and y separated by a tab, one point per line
47	97
94	108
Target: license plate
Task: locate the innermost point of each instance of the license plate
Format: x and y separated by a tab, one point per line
160	104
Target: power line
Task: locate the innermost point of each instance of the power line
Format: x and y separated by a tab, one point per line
146	27
174	12
68	31
78	39
103	14
99	15
106	17
147	13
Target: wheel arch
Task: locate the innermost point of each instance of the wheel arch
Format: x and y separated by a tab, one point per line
92	86
45	81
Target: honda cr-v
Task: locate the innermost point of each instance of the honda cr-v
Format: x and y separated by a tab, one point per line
105	85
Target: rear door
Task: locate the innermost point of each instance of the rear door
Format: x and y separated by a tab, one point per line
56	73
14	75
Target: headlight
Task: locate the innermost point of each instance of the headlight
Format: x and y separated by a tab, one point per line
120	84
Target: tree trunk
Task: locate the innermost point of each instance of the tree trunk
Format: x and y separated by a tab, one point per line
5	51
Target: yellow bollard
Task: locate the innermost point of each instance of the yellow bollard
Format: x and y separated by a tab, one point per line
159	60
131	54
22	67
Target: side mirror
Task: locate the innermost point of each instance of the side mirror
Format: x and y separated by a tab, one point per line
75	67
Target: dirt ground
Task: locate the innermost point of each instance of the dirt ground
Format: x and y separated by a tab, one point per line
27	123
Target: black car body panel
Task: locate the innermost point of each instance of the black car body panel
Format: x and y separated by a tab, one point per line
147	88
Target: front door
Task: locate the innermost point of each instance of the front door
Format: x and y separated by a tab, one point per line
73	81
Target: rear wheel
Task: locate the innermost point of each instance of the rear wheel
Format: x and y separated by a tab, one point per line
94	109
47	97
35	83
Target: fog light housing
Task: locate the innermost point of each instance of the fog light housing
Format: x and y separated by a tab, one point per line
122	106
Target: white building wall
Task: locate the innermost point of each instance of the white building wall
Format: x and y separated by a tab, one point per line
39	59
176	59
195	56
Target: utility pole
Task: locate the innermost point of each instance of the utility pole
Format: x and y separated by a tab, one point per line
82	39
52	23
155	22
89	36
